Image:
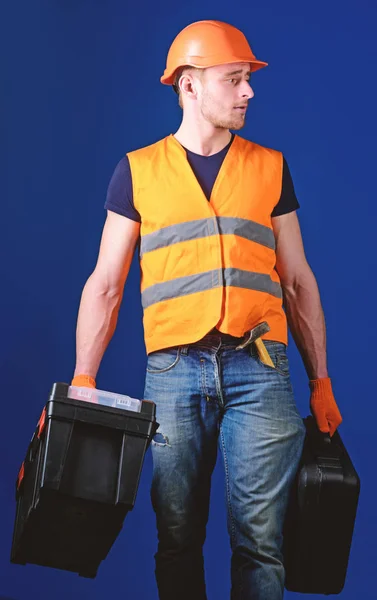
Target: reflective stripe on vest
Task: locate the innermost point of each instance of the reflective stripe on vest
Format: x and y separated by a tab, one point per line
206	281
182	232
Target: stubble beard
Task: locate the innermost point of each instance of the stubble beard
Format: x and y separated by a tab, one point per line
210	110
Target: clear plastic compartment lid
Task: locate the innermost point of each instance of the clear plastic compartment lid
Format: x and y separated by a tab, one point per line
95	396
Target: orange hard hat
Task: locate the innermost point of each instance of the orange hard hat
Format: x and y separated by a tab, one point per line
207	44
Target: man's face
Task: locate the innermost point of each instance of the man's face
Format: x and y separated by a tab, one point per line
224	95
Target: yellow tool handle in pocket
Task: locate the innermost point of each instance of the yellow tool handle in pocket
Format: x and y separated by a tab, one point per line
263	353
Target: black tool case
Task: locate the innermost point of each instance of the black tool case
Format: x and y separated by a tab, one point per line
78	481
321	515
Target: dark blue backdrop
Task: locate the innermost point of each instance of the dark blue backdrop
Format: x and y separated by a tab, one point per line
80	88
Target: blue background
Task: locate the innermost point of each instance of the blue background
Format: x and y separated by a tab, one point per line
81	88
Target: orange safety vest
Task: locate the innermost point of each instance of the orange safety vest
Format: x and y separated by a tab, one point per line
207	264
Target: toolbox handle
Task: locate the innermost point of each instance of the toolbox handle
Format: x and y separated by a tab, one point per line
30	455
322	444
31	451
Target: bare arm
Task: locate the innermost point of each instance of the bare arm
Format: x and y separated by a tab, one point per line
103	292
301	295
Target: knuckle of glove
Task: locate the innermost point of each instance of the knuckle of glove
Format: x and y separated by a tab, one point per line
83	381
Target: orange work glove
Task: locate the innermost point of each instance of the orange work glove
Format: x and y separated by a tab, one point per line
323	406
84	381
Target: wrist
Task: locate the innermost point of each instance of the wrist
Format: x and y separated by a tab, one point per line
317	371
321	384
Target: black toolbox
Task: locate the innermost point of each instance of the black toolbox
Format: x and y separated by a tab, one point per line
78	481
321	514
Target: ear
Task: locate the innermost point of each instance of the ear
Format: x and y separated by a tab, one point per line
188	85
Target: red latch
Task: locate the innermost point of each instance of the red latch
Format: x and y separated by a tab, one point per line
41	423
20	475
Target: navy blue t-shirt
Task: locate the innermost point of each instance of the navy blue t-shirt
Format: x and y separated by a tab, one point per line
120	194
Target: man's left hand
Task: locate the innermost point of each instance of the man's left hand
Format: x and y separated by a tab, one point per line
323	405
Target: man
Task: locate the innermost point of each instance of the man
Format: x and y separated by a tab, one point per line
220	250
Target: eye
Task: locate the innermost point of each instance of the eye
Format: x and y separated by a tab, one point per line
235	81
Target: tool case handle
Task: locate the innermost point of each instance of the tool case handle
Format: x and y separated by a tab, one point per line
321	443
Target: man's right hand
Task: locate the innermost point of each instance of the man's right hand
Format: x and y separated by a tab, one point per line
83	381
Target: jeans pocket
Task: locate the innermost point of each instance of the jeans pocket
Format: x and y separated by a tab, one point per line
163	360
278	354
282	363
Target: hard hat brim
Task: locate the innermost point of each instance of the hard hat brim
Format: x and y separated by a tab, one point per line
169	77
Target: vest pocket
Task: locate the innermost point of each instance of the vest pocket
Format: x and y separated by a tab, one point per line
161	361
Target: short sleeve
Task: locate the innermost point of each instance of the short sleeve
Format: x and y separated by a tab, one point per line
288	201
119	197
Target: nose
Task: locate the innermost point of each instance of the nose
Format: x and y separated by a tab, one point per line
247	90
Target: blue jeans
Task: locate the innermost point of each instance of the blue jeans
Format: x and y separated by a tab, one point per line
209	393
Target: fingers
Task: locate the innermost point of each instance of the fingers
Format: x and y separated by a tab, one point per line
84	381
334	420
328	421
